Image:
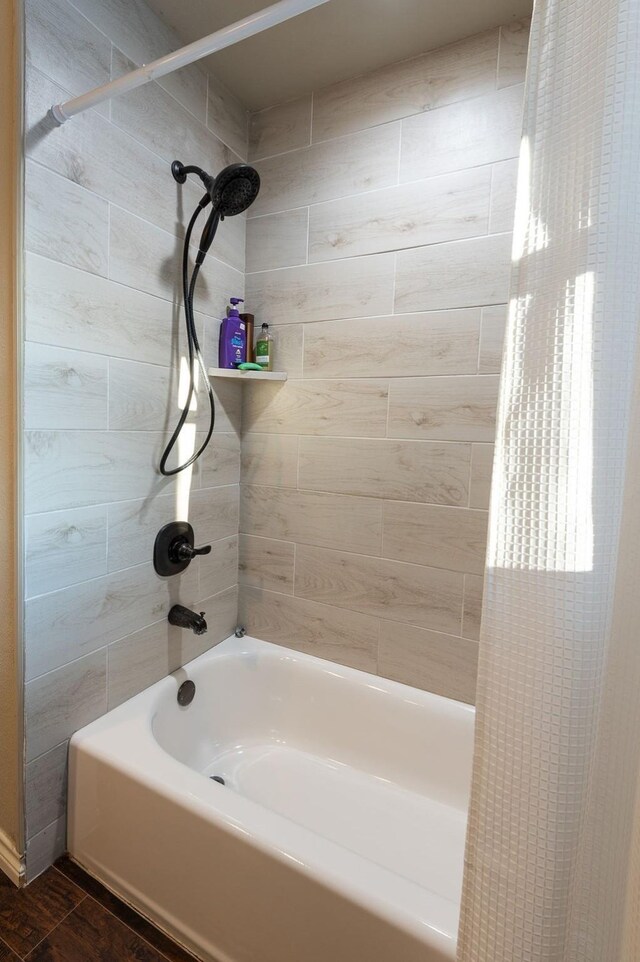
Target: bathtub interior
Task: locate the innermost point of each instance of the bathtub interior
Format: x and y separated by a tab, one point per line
378	768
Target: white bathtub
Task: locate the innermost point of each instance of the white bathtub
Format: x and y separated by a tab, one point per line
339	834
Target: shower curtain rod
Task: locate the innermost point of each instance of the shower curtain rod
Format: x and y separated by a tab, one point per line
226	37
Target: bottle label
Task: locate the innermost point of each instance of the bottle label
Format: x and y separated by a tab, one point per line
262	352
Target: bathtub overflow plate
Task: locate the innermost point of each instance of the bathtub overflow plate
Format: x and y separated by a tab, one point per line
186	691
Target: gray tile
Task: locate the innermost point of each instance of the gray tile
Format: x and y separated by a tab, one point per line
357	163
347	637
444	408
46	789
45	847
481	468
63	44
400	345
227	117
277	240
70	623
355	407
356	287
478	131
265	563
313	517
446	75
270	459
59	703
434	472
512	58
466	273
64	221
436	662
64	388
431	211
64	547
435	535
277	129
218	570
427	597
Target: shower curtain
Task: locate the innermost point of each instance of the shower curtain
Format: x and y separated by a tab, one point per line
552	868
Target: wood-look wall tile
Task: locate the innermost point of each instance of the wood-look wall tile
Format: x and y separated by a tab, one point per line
133	525
72	469
227	117
278	129
428	597
467	134
64	547
65	45
277	240
46	789
60	702
435	535
103	158
481	468
65	222
64	388
220	463
472	611
512	57
455	72
144	397
430	660
70	308
76	621
218	570
466	273
312	517
357	163
146	656
354	408
444	408
287	348
397	470
149	259
346	637
356	287
160	123
504	178
45	847
142	36
265	563
494	321
270	459
431	211
402	345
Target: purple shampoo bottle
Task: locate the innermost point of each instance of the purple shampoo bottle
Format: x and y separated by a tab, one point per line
233	337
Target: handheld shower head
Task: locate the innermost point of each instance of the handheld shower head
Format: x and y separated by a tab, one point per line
230	193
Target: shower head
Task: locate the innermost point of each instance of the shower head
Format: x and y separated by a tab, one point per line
230	193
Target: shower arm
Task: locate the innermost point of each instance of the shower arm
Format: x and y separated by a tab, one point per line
226	37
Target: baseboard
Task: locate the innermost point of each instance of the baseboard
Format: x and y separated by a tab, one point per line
10	862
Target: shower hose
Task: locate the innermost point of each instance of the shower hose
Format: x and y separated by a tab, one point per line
195	357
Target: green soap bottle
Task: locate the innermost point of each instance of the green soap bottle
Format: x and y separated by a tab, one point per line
264	349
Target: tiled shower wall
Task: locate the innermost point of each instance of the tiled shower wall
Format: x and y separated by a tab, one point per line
379	248
104	220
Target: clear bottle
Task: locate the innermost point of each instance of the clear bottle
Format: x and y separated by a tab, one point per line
264	349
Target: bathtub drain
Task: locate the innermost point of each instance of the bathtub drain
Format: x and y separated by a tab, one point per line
217	778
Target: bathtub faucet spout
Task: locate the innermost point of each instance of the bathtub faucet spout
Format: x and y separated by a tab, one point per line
185	618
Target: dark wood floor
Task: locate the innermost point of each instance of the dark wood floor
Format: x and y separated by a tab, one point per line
67	916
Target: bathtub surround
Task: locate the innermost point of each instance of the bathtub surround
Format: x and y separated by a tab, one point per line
380	249
104	221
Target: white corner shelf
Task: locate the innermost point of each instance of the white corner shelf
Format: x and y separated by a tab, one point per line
237	375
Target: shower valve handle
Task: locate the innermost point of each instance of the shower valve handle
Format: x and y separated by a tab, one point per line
184	551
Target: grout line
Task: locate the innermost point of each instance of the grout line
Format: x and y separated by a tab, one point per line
58	924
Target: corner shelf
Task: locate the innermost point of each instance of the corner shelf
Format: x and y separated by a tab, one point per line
236	375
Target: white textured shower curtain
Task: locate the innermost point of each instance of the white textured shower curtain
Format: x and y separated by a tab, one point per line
553	851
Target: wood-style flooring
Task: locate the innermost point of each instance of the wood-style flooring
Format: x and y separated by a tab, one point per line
66	915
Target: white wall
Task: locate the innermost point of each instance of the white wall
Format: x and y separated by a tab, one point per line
104	220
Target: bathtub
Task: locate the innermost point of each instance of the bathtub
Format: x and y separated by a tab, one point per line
337	836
